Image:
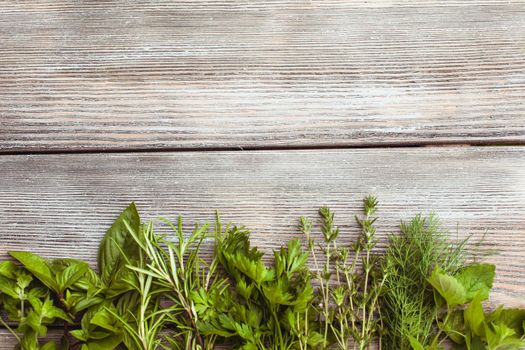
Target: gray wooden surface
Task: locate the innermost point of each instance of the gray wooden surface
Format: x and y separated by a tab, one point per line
127	77
60	205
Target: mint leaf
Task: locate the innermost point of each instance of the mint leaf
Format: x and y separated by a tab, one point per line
8	269
448	287
455	327
475	317
477	280
39	267
8	287
512	318
499	336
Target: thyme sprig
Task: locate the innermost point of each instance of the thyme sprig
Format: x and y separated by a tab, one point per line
348	303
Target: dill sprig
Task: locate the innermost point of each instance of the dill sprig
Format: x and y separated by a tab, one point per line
408	307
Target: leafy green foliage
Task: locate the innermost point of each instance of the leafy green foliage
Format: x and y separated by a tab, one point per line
157	291
42	292
477	280
118	239
408	306
269	304
467	324
448	288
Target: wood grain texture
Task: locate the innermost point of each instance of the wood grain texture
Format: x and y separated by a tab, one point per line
61	205
99	75
8	342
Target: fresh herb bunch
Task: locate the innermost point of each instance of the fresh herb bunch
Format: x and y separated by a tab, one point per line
179	274
460	316
166	291
348	303
433	296
408	307
269	305
42	292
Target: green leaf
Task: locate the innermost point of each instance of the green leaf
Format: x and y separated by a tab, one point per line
304	297
448	287
34	321
39	267
8	287
512	318
499	336
49	312
455	327
254	269
79	334
105	319
8	269
110	259
82	302
416	345
71	274
107	343
477	344
477	280
214	328
292	260
23	279
475	317
50	346
315	339
276	294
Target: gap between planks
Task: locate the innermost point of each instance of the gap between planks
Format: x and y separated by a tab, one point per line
372	145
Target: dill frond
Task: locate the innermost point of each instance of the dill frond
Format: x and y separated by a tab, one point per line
408	305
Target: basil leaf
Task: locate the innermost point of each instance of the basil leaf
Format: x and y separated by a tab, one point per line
106	320
117	238
109	342
71	274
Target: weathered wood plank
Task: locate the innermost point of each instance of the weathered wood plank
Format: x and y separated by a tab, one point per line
8	341
252	74
61	205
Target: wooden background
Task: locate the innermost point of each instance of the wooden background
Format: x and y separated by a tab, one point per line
264	110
